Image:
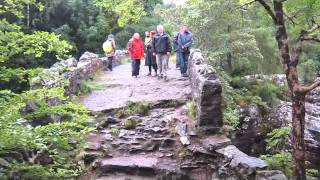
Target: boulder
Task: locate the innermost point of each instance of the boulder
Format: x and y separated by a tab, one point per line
240	162
270	175
207	93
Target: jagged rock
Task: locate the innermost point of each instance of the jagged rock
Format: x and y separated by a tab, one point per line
270	175
31	106
4	163
128	164
281	117
95	146
88	56
44	158
90	156
185	140
213	143
241	162
249	137
207	92
54	101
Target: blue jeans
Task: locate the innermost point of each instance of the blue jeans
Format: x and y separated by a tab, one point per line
177	60
183	58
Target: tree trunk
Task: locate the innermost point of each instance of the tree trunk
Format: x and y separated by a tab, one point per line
298	122
298	98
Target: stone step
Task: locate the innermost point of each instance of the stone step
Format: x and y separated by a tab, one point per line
141	165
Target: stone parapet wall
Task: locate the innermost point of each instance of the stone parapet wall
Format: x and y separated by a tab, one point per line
206	91
71	73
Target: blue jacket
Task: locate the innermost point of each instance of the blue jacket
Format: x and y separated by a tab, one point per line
185	39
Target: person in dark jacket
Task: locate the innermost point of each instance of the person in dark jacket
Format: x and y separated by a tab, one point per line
176	46
151	61
185	41
162	48
136	49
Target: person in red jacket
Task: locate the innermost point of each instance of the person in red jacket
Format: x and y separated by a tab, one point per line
136	49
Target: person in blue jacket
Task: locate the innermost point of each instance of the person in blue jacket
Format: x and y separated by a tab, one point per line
185	40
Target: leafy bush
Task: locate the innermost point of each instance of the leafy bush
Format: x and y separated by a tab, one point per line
281	161
62	140
278	140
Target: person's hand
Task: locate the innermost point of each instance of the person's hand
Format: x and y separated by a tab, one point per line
168	53
183	47
154	54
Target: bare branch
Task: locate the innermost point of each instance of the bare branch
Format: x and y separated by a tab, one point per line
306	89
246	4
290	19
312	39
268	9
313	29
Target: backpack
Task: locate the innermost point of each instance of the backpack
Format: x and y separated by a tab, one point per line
108	47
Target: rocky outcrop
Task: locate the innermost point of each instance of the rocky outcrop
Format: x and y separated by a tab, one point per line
281	117
207	92
71	73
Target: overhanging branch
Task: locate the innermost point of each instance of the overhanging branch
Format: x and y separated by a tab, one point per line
306	89
268	9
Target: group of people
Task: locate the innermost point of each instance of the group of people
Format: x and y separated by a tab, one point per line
156	49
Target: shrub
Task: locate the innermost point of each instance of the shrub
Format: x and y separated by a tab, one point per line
278	140
281	161
141	108
192	109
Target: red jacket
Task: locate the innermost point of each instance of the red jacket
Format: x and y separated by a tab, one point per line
136	49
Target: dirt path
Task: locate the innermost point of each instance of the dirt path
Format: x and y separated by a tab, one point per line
121	88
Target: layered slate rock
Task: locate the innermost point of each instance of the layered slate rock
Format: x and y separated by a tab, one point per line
240	162
207	92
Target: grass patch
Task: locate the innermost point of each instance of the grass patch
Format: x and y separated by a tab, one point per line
141	108
192	109
89	86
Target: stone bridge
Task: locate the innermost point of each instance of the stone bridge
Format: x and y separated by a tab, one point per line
145	128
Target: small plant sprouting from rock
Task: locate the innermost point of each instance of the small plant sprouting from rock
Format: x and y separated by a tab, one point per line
141	108
281	161
130	123
89	86
192	109
115	132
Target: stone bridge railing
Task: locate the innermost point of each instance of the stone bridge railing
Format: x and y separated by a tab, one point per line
207	93
71	73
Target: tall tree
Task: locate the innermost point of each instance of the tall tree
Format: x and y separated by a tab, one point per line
296	18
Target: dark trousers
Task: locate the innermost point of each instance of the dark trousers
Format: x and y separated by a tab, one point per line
183	58
110	61
135	67
177	60
154	66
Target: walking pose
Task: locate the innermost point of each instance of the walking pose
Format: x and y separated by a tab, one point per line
185	40
136	49
109	48
151	61
162	48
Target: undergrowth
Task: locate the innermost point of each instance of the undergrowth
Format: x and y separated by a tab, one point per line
140	108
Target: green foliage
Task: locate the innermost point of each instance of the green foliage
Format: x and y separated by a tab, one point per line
127	11
278	139
192	109
115	132
130	123
308	70
18	135
281	161
313	172
37	45
141	108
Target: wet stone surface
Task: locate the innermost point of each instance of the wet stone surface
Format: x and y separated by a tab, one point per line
163	144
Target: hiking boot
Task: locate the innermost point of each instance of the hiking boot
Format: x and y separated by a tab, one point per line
185	75
149	74
165	78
